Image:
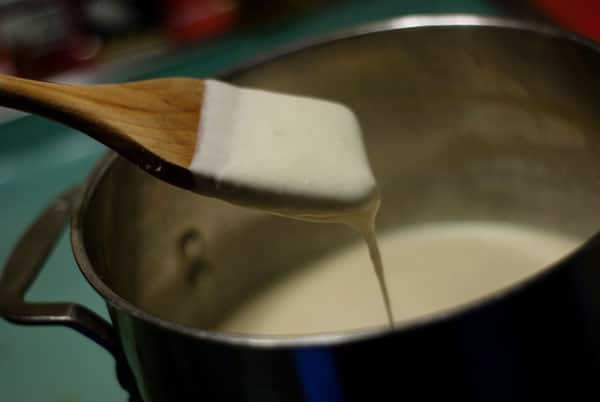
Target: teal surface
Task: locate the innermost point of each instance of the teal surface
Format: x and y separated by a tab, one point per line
39	159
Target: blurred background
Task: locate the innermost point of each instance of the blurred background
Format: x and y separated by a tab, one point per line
118	40
93	41
47	38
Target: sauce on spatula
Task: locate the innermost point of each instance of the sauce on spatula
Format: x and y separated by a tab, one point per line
295	156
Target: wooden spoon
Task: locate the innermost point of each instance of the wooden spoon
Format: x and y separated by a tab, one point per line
156	125
153	123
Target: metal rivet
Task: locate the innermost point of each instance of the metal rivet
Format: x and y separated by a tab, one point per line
192	245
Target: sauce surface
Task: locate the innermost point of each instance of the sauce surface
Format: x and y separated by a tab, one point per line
430	268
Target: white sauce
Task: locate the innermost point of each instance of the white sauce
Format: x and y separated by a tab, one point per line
311	150
430	268
303	148
281	143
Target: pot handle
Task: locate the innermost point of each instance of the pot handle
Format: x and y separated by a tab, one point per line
26	261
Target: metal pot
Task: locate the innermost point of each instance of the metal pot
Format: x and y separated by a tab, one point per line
465	118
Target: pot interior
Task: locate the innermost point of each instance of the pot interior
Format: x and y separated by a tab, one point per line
460	123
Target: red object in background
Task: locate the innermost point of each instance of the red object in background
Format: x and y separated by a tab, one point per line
7	65
581	16
45	37
190	20
74	52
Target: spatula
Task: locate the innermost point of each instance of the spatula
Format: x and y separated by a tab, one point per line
294	154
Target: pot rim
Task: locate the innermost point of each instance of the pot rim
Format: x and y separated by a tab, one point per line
335	338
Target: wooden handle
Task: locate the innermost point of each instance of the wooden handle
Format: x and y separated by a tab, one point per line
159	116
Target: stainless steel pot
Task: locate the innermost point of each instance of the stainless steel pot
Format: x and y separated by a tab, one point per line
465	118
